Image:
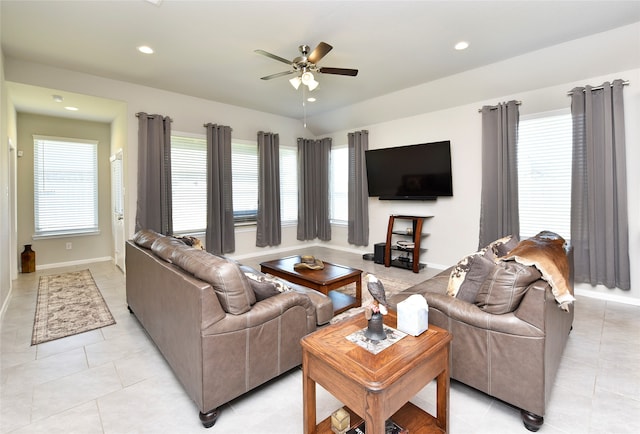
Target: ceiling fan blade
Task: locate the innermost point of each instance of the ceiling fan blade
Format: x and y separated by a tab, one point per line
276	75
339	71
319	52
273	56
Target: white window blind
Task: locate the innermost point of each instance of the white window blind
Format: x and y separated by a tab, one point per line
544	173
189	184
244	163
65	186
339	185
288	184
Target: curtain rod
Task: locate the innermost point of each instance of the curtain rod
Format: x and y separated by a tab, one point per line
151	116
624	83
496	108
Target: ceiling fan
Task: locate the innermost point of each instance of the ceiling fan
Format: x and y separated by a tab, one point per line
305	65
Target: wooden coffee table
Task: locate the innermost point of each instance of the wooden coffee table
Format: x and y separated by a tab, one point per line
376	387
328	279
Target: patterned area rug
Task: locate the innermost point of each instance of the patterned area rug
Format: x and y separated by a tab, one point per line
68	304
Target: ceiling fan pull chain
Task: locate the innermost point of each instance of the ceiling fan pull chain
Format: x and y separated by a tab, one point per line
304	105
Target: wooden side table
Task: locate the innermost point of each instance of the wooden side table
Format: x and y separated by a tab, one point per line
376	387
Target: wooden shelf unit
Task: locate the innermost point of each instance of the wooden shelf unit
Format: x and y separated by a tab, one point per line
413	261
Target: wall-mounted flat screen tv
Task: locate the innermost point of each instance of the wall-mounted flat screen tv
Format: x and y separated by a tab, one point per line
412	172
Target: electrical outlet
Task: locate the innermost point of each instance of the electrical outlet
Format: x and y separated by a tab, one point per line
69	246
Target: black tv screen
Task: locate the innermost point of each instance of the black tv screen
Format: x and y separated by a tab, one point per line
412	172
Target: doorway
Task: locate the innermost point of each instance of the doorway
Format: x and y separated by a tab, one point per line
117	209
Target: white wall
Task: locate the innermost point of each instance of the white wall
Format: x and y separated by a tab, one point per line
454	230
189	114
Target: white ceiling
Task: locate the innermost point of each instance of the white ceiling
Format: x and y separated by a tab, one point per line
206	48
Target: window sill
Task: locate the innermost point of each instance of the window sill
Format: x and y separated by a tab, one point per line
64	234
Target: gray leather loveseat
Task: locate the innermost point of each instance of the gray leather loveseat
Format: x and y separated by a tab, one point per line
509	329
221	337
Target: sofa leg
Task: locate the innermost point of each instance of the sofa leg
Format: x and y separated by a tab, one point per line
209	418
531	421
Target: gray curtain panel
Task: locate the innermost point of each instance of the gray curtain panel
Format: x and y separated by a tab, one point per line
499	215
599	218
153	208
269	227
313	189
358	224
220	235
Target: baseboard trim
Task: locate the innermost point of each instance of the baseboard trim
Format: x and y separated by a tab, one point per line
72	263
607	297
5	304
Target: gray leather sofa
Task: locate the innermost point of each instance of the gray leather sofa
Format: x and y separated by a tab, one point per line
512	355
202	313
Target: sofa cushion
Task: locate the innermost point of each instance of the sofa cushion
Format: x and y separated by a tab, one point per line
146	237
228	281
165	247
505	287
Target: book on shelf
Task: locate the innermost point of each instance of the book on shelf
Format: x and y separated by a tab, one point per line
406	244
390	427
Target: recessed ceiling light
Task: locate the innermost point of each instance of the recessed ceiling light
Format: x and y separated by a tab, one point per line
462	45
311	99
145	49
70	108
57	98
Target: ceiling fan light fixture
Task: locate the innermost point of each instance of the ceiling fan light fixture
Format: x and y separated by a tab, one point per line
295	82
307	78
312	85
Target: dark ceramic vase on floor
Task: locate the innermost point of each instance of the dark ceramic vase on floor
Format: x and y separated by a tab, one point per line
28	259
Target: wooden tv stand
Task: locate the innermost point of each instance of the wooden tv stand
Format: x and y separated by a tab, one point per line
414	233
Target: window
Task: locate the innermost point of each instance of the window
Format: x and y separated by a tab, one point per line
339	187
544	173
288	184
189	184
245	183
244	167
65	186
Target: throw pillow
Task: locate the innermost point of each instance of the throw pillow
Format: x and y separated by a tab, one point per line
502	246
190	241
546	251
263	290
462	268
277	283
505	287
480	266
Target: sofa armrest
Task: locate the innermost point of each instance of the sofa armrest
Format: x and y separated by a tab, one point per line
264	311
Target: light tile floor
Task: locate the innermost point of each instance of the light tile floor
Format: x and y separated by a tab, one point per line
114	380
